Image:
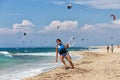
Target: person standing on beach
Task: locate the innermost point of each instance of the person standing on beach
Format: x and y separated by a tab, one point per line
112	48
61	49
108	49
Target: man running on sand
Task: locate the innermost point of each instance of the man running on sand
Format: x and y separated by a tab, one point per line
61	49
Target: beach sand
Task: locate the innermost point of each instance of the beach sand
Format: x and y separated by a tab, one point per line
96	65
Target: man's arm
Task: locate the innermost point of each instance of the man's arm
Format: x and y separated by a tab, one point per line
56	54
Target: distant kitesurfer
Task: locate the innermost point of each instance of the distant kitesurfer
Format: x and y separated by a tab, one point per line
108	49
112	48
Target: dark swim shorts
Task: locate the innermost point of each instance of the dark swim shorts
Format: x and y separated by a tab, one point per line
63	54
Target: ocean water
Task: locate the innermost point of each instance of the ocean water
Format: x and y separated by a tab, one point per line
18	63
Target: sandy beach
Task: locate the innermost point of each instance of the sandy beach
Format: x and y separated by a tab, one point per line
96	65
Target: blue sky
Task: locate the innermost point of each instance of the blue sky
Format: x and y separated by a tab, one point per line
88	19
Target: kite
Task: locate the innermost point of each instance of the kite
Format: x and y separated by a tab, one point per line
69	6
114	17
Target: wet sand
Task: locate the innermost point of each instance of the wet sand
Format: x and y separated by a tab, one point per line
96	65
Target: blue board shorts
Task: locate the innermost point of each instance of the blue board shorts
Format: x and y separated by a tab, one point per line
63	54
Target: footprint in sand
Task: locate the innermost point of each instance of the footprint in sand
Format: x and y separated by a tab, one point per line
86	62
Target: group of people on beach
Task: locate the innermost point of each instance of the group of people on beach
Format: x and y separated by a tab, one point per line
110	48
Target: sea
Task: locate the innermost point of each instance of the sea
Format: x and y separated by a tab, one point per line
19	63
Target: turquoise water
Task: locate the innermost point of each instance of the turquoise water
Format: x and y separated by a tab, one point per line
15	63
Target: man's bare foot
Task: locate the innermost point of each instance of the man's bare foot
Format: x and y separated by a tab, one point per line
72	67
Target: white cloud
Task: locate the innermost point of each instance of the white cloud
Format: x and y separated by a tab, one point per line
87	27
112	25
102	27
99	4
25	25
65	25
74	26
7	31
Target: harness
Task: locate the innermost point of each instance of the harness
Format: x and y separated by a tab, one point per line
61	49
